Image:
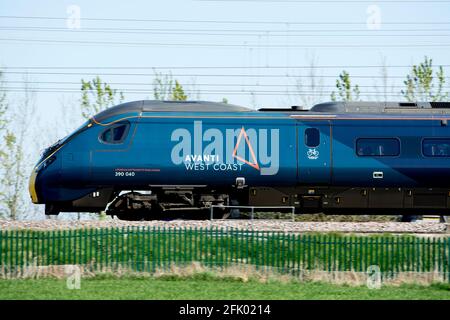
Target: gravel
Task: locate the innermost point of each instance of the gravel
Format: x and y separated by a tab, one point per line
260	225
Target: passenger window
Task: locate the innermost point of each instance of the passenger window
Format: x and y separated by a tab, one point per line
436	147
312	137
115	134
378	147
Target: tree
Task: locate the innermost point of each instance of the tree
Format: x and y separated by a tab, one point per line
6	145
102	95
3	106
15	160
424	84
310	91
165	87
12	179
345	90
385	87
178	92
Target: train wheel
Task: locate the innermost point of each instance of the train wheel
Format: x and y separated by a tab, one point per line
410	218
219	213
235	213
226	214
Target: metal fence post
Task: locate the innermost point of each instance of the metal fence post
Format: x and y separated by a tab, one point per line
69	239
206	244
448	260
5	236
158	247
53	246
430	254
21	252
1	249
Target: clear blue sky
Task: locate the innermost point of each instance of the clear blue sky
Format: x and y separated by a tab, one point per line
250	44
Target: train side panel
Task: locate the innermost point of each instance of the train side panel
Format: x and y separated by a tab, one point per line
212	152
407	168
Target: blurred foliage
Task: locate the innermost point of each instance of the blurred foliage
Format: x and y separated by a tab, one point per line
345	90
178	92
165	88
97	96
425	84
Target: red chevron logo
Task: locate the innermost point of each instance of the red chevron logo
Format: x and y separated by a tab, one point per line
253	164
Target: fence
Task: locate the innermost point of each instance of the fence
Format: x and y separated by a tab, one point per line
152	248
252	210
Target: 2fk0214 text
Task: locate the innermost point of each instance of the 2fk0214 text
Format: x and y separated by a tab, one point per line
226	309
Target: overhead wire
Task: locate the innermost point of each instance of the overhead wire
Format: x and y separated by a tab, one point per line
230	32
234	21
195	84
228	45
204	75
200	32
209	92
218	67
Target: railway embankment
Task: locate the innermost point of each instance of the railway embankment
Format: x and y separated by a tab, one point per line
256	225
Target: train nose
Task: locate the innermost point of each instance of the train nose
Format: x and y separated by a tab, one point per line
32	186
36	176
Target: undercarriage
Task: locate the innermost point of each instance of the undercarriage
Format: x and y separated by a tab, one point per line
196	202
164	203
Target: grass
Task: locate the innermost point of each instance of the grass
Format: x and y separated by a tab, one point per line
205	286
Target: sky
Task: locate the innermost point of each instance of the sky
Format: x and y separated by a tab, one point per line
251	52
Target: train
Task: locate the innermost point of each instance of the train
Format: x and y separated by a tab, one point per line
143	159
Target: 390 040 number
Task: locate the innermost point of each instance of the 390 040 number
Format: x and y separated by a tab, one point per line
125	174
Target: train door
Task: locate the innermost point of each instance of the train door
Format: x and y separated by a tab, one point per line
112	157
314	152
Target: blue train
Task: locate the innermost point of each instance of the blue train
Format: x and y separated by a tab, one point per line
144	158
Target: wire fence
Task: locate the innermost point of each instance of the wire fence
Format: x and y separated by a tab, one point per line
147	249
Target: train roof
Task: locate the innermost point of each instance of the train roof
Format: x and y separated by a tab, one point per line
336	108
382	107
170	106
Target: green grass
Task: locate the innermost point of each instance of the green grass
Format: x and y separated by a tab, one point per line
204	287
